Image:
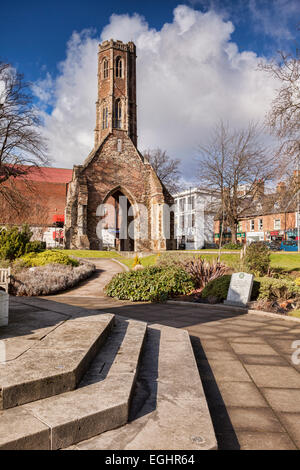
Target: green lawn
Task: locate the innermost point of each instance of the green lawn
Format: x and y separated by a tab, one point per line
145	261
287	262
295	313
284	261
93	254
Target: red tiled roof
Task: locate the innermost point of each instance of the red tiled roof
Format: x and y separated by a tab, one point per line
48	174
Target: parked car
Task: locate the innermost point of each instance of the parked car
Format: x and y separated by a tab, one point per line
289	245
211	246
273	246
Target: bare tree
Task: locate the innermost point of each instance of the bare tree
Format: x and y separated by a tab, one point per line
166	168
235	165
21	144
284	116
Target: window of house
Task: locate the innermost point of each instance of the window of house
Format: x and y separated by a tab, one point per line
191	202
181	204
105	68
252	225
118	114
260	224
119	67
277	224
193	220
182	221
104	118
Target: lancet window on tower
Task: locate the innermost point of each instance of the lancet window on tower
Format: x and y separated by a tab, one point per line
105	118
105	68
118	114
119	67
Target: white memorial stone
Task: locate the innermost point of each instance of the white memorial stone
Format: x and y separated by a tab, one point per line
240	289
4	297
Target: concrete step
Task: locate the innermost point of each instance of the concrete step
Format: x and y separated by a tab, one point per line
100	403
169	409
55	363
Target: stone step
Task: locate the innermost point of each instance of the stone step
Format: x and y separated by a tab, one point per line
100	403
169	409
55	363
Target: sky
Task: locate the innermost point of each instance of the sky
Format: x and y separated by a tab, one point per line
196	64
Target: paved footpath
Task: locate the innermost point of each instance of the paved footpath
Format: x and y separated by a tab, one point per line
245	363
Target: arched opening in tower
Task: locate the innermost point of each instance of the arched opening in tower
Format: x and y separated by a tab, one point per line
118	231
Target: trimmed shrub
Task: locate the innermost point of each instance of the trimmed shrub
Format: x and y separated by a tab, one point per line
48	257
273	289
151	284
257	258
49	279
35	246
13	241
217	288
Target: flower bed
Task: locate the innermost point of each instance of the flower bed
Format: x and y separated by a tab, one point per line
49	278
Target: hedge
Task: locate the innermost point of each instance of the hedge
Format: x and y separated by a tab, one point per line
151	284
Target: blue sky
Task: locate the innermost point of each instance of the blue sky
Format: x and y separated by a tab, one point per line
197	63
34	33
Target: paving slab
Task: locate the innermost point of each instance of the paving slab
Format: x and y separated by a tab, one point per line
259	349
283	399
242	394
274	376
254	419
265	441
291	421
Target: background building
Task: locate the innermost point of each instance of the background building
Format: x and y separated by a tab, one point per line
37	198
271	217
194	218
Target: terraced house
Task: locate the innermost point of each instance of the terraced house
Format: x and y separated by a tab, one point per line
272	216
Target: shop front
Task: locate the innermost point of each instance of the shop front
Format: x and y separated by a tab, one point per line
226	237
255	237
241	237
275	235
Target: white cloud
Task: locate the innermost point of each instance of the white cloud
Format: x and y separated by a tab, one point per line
189	75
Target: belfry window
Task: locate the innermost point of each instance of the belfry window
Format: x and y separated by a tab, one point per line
119	70
105	68
118	114
104	118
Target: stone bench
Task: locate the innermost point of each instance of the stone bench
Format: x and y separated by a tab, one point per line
4	299
4	279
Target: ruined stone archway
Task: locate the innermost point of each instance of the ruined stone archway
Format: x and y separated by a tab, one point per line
119	225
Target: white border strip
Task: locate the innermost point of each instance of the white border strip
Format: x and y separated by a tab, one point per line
126	268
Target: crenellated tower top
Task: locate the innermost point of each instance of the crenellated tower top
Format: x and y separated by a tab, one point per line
116	104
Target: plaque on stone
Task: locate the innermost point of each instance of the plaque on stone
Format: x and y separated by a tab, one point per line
240	289
4	297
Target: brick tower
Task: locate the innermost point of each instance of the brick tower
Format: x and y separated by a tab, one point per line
115	169
116	104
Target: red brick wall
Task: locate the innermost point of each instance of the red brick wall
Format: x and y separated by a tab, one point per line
40	201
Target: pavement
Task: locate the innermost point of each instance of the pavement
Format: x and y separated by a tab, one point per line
245	361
